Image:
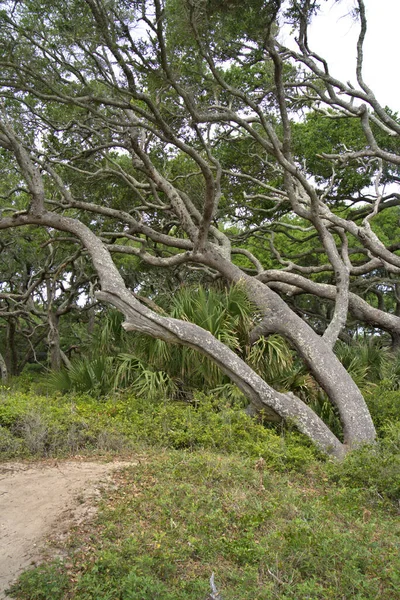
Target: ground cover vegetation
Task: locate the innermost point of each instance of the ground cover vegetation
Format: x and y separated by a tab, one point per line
215	490
180	516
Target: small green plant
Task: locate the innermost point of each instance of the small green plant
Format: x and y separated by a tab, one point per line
43	583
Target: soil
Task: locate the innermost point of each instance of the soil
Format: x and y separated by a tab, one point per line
40	501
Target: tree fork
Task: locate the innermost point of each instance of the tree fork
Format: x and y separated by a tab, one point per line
319	357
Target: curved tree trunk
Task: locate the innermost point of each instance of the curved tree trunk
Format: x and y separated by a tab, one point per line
330	374
318	356
261	395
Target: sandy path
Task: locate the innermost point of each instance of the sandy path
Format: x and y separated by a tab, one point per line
37	500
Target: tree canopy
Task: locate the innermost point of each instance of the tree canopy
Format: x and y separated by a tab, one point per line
182	136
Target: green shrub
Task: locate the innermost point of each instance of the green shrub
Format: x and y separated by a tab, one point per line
65	425
375	468
10	445
384	405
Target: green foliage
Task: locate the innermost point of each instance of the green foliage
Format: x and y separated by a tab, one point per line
374	468
274	360
92	376
224	22
154	369
43	583
321	405
320	133
10	445
176	517
384	405
330	133
390	379
39	426
366	361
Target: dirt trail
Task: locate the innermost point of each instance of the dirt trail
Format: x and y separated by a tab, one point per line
39	500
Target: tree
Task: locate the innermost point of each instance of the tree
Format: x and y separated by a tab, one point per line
153	129
41	282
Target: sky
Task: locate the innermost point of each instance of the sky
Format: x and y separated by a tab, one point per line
333	34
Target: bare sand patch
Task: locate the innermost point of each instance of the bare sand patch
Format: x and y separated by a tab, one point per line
40	500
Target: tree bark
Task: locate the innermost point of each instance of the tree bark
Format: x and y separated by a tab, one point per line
65	360
53	339
317	355
3	370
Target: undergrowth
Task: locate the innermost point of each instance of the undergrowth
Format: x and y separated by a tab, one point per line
178	516
39	426
33	426
214	491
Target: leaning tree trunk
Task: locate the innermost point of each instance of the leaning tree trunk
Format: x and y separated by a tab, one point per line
3	370
318	356
329	373
264	398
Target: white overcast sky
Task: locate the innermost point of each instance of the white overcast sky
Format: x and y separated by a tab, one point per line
333	34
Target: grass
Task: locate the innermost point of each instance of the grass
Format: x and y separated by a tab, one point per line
214	492
179	516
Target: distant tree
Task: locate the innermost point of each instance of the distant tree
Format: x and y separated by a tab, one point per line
43	276
168	131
